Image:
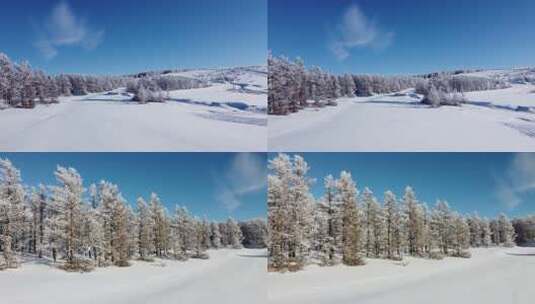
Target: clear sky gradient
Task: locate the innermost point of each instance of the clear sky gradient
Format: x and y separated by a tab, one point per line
123	36
404	37
488	183
217	185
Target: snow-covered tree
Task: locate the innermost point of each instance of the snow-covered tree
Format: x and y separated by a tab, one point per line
160	235
145	229
215	235
67	202
393	227
184	233
329	224
414	222
351	231
506	231
11	211
234	234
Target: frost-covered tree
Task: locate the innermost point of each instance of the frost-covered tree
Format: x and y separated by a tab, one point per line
506	231
351	231
414	222
215	235
461	236
160	233
145	229
184	233
329	224
486	233
234	234
67	202
444	226
291	212
393	227
11	212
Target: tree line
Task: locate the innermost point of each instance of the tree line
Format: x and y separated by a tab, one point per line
293	87
23	86
155	88
81	229
346	227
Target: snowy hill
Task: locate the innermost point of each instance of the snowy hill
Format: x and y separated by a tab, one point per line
253	77
520	75
492	120
229	114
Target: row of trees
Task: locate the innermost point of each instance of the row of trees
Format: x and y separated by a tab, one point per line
292	86
22	86
86	229
447	89
345	226
152	88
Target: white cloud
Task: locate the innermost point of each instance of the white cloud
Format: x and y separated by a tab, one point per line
63	28
518	180
356	30
246	174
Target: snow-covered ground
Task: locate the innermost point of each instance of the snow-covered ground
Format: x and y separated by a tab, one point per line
489	122
229	276
494	275
222	117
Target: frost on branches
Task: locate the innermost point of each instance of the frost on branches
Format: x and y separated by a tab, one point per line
78	230
346	227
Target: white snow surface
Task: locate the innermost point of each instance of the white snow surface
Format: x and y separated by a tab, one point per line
491	276
222	117
489	122
229	277
253	76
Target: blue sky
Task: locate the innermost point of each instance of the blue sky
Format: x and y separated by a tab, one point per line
217	185
488	183
123	36
404	37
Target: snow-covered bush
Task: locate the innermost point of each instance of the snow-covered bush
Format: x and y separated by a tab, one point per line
435	98
436	255
462	254
79	264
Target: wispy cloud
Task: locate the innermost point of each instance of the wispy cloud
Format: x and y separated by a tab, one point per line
246	174
63	28
517	181
356	30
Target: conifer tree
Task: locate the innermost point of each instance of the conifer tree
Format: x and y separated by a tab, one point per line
350	220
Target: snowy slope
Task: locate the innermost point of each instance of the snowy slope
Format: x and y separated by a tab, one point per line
103	122
392	123
254	77
225	116
516	95
228	277
494	275
494	120
508	75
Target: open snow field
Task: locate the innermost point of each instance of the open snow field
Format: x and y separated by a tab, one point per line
489	122
229	276
222	117
495	275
